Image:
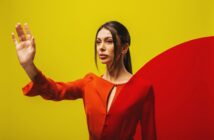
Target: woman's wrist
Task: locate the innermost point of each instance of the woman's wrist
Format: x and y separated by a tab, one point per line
31	70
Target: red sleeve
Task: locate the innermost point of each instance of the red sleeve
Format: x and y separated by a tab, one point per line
148	117
51	90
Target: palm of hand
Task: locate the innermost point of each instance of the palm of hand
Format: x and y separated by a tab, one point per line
25	47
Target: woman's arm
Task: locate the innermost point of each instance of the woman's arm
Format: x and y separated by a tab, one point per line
41	85
148	117
52	90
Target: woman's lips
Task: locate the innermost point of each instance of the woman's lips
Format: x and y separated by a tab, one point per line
102	56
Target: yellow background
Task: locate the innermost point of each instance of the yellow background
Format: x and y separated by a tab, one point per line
65	33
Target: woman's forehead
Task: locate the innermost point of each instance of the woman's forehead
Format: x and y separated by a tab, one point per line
104	33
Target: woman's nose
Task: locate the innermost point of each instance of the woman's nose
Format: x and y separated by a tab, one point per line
102	46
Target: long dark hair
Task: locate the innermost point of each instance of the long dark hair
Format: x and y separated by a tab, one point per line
117	29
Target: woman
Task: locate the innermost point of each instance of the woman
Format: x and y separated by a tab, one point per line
115	106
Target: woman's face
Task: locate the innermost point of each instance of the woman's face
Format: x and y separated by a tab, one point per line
105	46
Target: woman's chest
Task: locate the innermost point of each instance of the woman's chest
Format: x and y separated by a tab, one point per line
120	100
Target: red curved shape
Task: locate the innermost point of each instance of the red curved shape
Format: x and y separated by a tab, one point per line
183	80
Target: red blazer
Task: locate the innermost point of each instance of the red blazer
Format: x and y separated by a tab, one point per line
131	115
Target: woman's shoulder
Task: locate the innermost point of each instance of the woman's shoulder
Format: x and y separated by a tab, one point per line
92	79
141	80
90	76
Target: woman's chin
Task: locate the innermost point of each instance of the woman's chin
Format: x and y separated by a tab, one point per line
104	61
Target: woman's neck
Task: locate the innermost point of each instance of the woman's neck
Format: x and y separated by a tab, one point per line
118	75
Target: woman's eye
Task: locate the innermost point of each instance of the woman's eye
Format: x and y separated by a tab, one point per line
109	41
98	42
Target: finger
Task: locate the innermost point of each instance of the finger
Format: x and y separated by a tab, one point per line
28	33
14	39
33	42
20	32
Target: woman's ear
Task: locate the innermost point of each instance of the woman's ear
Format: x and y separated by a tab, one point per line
125	48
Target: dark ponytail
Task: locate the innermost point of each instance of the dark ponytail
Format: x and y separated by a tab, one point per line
127	62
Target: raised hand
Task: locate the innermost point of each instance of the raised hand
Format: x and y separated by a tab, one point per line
26	49
25	45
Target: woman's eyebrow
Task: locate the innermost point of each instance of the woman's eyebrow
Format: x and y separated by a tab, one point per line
108	37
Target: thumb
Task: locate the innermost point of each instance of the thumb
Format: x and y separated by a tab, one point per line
33	42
